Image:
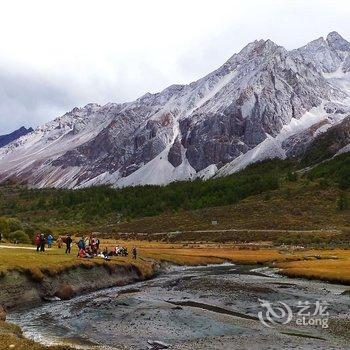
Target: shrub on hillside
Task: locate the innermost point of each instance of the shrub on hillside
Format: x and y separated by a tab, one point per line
4	227
342	202
8	225
19	236
292	176
14	225
344	177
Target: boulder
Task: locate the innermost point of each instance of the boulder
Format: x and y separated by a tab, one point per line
64	291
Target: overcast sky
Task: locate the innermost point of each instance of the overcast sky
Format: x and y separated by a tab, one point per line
55	55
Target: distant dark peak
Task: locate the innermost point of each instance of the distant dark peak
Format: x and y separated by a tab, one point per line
23	129
8	138
337	42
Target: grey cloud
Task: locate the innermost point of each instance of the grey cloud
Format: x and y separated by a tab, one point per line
31	98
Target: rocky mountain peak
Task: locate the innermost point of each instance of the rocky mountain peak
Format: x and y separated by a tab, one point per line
337	42
258	48
327	55
317	43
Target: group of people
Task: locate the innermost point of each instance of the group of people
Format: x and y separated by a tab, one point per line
88	247
41	240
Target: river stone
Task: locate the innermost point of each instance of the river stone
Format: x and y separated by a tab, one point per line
65	291
157	345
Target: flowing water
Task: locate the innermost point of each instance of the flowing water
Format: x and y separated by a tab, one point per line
212	307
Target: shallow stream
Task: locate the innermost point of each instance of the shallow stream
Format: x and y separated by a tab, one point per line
212	307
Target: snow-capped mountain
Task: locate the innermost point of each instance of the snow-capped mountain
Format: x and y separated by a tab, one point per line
263	102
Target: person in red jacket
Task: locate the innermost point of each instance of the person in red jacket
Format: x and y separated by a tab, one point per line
37	241
81	253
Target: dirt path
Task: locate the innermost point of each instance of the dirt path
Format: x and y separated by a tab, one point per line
234	230
16	247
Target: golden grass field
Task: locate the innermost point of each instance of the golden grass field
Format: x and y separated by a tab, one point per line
331	265
331	270
54	261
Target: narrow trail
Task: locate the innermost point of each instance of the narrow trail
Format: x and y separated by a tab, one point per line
17	247
234	230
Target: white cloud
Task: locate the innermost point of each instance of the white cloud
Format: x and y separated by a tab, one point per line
58	54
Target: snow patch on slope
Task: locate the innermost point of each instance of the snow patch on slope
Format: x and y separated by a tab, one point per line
158	172
344	150
208	172
340	80
271	147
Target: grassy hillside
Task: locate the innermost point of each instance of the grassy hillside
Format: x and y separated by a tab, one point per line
93	203
268	195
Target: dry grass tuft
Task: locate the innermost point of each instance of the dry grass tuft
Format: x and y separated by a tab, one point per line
11	338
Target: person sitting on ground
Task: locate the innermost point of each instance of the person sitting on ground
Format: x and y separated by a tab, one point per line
81	253
105	252
81	244
88	252
112	252
124	251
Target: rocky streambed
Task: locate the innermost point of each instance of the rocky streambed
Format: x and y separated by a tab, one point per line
212	307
